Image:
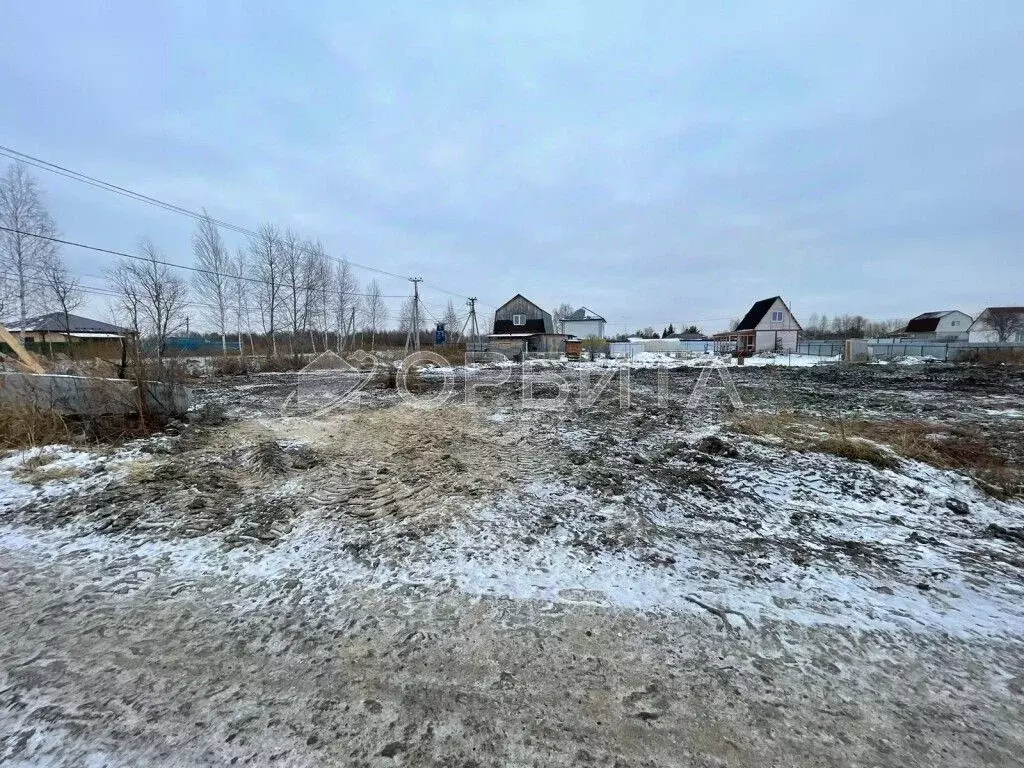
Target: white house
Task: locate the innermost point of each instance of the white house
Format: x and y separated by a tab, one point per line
583	324
768	326
998	324
948	325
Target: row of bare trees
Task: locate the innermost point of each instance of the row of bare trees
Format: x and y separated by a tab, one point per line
288	283
278	284
851	327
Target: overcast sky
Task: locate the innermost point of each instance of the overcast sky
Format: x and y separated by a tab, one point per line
662	162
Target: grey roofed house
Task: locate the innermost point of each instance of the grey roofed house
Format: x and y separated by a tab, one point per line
688	336
583	323
77	327
584	314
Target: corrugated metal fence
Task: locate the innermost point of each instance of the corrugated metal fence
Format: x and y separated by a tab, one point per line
948	351
895	349
827	348
952	351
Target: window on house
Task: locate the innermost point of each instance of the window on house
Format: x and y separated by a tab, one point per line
954	323
776	317
518	319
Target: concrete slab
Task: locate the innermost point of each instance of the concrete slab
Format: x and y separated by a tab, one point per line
90	396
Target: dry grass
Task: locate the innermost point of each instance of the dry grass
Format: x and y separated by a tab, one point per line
233	365
857	449
25	426
879	443
995	356
39	476
455	355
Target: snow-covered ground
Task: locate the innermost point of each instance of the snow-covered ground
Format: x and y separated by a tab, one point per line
386	583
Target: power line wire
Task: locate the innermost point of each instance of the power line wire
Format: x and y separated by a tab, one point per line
69	173
136	257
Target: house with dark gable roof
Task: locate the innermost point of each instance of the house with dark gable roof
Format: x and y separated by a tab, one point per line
522	327
946	324
768	326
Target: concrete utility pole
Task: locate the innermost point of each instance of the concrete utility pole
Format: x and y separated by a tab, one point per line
474	331
414	330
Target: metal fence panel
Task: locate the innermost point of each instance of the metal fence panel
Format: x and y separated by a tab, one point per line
825	348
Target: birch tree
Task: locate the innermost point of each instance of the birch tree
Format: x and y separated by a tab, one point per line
22	255
318	279
407	316
212	284
266	263
450	318
7	295
294	273
240	289
375	311
344	300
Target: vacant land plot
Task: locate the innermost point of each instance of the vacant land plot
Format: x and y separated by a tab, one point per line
831	575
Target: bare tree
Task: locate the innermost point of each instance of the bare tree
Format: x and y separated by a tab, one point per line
212	283
7	295
1007	322
127	309
564	310
375	311
318	279
64	292
266	262
238	297
22	255
295	279
344	290
153	295
450	318
407	316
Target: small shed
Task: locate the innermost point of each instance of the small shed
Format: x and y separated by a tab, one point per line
574	348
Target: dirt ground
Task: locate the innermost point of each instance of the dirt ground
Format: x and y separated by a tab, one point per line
483	581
